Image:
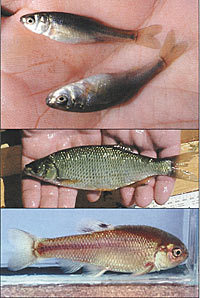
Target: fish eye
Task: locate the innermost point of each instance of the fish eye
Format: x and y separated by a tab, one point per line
30	20
61	99
177	252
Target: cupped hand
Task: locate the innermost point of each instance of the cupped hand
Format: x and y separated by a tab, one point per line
33	66
152	143
39	143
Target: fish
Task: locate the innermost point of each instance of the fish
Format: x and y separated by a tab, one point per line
105	167
136	249
75	29
105	90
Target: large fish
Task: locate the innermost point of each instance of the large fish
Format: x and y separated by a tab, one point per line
135	249
104	167
71	28
105	90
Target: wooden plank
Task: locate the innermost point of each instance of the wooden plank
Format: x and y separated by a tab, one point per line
10	161
189	143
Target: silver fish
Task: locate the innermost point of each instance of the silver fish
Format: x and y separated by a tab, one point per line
102	91
71	28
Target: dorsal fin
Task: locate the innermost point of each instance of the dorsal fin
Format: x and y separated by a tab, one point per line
89	226
124	147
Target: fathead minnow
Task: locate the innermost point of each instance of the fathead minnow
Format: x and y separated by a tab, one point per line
71	28
134	249
104	167
102	91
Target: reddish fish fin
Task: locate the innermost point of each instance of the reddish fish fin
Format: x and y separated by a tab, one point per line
68	182
170	51
145	36
141	182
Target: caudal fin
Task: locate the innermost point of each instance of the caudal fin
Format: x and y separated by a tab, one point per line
182	161
170	51
23	255
145	36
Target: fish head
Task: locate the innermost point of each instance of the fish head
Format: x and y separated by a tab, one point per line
36	22
62	99
170	255
43	169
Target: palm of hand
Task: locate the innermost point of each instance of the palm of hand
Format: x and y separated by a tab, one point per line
34	65
37	144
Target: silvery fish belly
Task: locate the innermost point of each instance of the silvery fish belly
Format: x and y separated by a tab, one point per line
134	249
97	167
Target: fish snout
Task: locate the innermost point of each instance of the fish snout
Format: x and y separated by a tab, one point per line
51	100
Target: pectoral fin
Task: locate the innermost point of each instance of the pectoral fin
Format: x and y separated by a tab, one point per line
69	266
148	267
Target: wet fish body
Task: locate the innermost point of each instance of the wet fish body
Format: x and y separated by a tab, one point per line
102	91
134	249
101	167
72	28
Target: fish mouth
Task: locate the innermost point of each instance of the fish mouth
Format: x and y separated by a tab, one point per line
22	19
28	171
50	100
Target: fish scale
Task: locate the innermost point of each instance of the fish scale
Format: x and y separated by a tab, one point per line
109	247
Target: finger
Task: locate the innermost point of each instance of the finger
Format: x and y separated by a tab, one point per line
163	189
67	197
93	196
127	195
143	195
49	196
31	193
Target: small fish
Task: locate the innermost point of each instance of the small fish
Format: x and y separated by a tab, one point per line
134	249
104	167
102	91
71	28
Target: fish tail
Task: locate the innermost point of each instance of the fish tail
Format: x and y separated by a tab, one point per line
170	51
24	254
145	36
179	162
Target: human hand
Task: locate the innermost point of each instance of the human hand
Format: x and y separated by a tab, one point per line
152	143
39	143
33	66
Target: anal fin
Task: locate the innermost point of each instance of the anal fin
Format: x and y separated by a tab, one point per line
69	266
